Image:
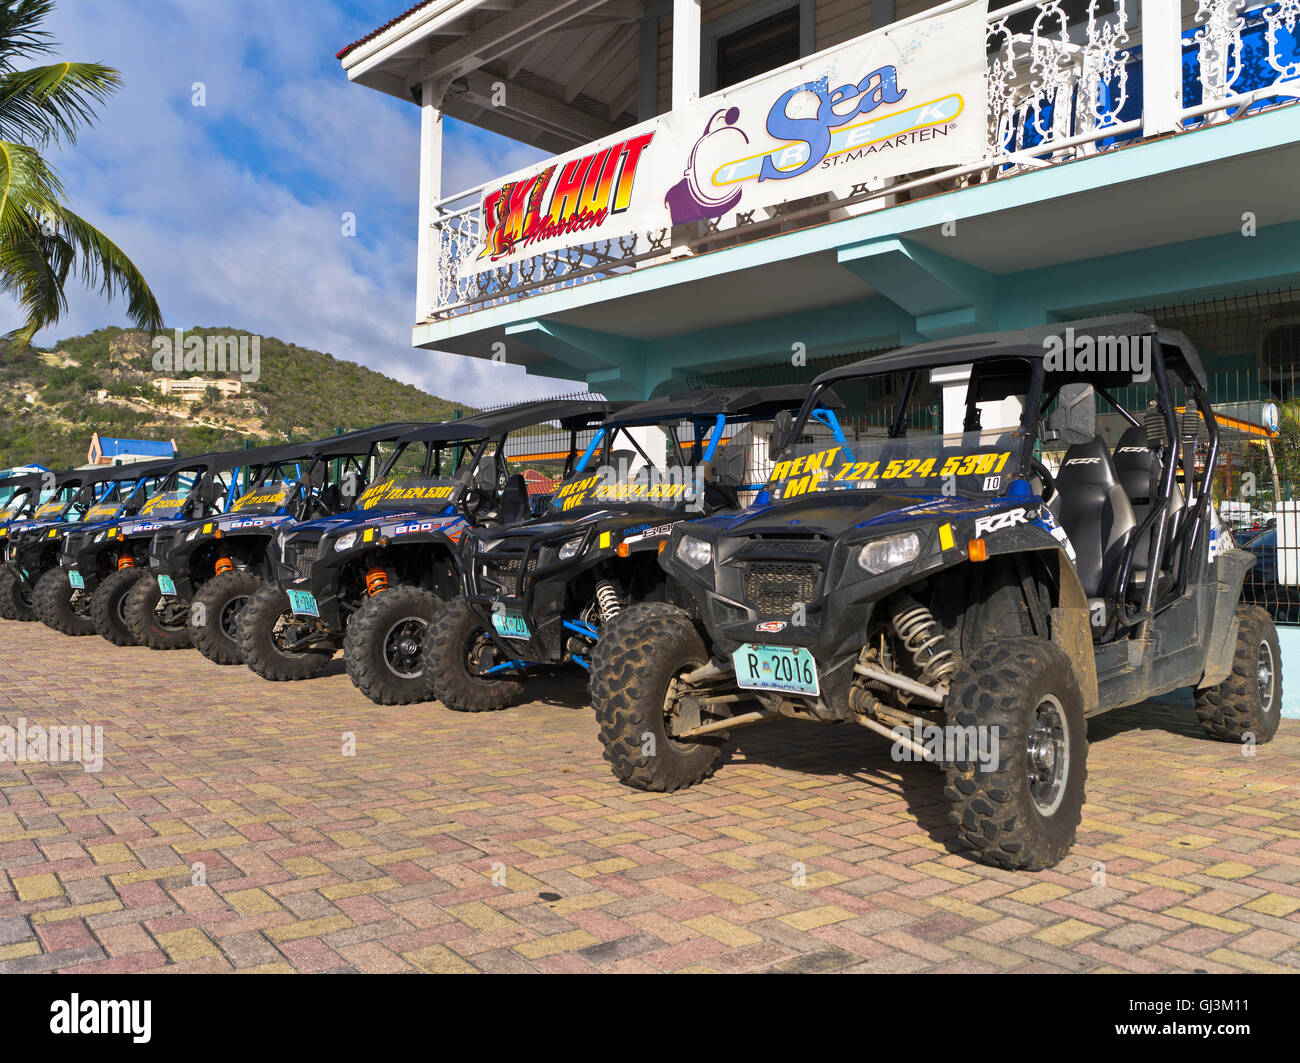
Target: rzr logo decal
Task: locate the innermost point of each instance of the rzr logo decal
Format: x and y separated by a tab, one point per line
1000	521
771	627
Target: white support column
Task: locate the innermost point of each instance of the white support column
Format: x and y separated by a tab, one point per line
427	279
1162	67
686	52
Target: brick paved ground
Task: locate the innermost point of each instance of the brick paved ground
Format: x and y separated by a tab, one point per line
385	861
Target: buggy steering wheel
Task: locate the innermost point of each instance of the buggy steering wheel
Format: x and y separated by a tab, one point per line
1044	474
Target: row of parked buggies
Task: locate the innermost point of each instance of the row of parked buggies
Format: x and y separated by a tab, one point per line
955	593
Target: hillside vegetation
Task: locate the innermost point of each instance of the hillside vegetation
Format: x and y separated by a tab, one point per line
51	401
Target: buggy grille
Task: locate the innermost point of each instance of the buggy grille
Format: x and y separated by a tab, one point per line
773	588
301	557
504	572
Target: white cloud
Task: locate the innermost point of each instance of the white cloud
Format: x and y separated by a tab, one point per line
233	210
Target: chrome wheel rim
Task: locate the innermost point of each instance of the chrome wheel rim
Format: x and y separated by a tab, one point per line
1048	748
1264	672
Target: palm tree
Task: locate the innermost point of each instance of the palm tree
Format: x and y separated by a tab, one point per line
42	242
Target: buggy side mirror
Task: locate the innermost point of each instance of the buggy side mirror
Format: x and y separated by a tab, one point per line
729	466
1075	418
779	437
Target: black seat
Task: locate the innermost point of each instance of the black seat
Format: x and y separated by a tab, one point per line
1139	469
513	506
1095	513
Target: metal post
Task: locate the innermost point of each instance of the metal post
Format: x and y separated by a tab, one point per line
428	282
1162	67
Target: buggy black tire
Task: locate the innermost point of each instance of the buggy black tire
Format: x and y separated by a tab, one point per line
257	625
15	596
141	612
220	604
52	601
1241	709
384	647
108	606
1021	813
638	654
446	662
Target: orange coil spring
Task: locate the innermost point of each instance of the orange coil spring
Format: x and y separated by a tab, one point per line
126	561
376	581
224	565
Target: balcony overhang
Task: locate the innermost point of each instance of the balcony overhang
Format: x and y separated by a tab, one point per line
567	69
1156	219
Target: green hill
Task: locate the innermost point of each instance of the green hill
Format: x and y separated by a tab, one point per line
52	400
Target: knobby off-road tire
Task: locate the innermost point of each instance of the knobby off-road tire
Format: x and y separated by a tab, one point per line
454	635
647	646
1249	701
52	601
147	625
266	611
15	596
1022	811
215	613
384	647
108	606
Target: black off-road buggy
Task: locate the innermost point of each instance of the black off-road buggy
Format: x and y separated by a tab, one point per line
375	575
543	593
82	499
953	593
204	572
111	562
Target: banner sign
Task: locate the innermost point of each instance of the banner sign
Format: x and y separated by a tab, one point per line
908	98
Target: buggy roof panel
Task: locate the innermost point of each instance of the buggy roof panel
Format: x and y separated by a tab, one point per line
362	439
570	413
21	481
1179	352
757	403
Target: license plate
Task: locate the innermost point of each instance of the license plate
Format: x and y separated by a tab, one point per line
303	603
167	585
76	579
789	669
510	625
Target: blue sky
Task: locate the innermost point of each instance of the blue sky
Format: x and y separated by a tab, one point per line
234	210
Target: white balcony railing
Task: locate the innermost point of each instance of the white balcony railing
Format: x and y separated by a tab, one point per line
1060	87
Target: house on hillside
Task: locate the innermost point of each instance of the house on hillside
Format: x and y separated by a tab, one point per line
106	450
195	387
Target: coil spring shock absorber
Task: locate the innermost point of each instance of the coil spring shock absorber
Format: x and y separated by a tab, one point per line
125	561
224	565
376	581
607	601
922	637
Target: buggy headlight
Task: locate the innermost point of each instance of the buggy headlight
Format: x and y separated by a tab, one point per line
193	535
101	537
695	552
570	549
884	554
345	542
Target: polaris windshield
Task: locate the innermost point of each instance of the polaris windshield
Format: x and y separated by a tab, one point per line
607	487
403	494
970	463
168	504
263	498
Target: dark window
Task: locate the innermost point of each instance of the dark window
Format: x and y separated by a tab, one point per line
759	47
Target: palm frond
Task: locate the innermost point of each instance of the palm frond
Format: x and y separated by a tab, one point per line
51	102
20	35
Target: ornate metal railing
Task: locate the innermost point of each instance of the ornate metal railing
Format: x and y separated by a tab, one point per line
1062	84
